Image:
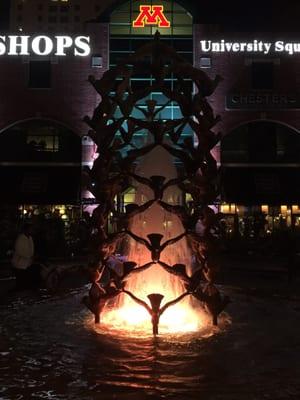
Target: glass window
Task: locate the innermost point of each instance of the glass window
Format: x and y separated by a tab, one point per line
205	62
43	143
97	61
181	20
124	39
119	30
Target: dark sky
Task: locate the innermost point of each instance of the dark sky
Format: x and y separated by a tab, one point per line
239	15
248	14
4	14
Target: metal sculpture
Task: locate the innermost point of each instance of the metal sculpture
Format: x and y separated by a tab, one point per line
118	156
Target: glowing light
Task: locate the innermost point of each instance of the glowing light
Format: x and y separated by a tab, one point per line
131	317
128	315
283	210
254	46
41	45
225	208
151	15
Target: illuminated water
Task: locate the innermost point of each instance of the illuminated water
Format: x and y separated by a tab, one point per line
50	350
185	315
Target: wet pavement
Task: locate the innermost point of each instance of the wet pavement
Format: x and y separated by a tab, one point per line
49	349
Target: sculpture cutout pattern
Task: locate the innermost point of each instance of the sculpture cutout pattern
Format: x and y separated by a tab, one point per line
114	170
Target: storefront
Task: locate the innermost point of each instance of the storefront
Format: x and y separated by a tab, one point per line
258	103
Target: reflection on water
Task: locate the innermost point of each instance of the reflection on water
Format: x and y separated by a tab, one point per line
49	349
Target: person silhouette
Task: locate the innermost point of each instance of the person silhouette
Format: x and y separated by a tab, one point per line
155	310
156	183
153	244
128	268
131	210
188	220
214	302
190	283
98	295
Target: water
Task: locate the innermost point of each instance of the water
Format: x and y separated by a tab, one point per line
49	349
155	279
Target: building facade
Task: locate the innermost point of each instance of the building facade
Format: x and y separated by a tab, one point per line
43	137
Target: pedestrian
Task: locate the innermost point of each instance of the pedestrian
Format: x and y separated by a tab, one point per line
23	256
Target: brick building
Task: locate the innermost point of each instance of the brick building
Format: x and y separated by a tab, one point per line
46	98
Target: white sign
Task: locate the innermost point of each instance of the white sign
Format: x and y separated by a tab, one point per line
255	46
44	45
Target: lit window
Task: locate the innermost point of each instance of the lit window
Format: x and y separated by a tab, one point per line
43	143
97	61
205	62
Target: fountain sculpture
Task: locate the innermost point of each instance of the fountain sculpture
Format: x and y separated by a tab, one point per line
113	128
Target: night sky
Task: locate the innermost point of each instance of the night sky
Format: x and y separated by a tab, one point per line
4	14
251	15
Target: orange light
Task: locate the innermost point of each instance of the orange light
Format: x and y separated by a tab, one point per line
225	208
185	316
283	210
151	15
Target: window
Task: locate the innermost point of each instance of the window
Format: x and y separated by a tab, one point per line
97	61
39	74
121	20
124	39
43	143
205	62
262	75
